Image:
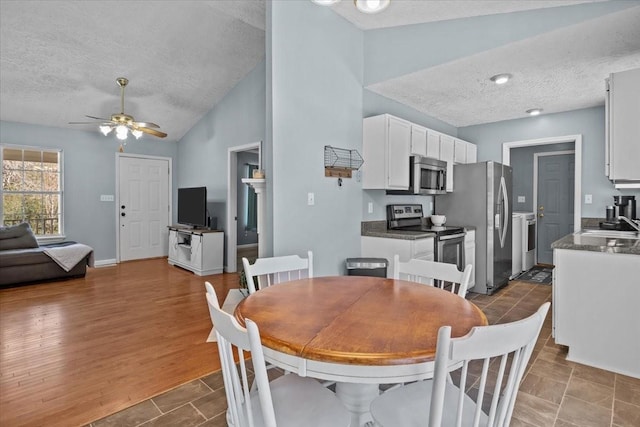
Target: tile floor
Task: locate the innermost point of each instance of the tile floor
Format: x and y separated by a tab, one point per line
554	392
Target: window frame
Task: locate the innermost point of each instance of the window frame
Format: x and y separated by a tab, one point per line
41	238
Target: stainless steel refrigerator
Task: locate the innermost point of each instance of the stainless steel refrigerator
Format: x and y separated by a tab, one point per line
481	198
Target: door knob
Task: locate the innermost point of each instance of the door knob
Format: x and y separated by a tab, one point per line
541	215
541	208
123	214
122	207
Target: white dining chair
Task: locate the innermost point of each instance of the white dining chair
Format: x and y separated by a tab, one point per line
270	271
289	400
494	359
428	272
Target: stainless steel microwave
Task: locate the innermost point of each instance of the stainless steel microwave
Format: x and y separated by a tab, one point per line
426	176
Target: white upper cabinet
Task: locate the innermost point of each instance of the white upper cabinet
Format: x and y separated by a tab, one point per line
389	141
447	147
623	126
433	144
386	150
418	141
472	153
460	151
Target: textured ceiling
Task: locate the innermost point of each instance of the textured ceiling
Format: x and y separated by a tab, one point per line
59	60
557	71
407	12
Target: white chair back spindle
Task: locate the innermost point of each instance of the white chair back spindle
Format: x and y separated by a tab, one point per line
274	270
433	273
494	359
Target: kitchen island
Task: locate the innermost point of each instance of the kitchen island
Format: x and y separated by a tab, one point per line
596	290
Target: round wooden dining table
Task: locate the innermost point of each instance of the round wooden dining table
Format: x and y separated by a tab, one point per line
356	330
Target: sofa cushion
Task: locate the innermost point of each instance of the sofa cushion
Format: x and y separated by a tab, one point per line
17	237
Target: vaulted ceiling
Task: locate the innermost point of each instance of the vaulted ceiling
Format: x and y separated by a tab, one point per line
59	59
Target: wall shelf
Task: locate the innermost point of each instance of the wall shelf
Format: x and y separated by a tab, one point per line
340	162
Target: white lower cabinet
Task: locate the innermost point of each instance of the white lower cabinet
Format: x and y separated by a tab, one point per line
470	254
383	247
199	251
595	308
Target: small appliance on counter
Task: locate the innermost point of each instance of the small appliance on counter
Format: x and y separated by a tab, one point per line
622	206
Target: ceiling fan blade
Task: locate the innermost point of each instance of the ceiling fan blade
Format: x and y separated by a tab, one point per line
146	125
151	131
83	123
99	118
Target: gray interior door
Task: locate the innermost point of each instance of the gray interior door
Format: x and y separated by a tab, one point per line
555	202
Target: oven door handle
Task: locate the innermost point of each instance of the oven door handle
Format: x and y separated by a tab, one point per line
453	236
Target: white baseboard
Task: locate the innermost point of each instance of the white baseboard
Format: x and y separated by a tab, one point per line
105	263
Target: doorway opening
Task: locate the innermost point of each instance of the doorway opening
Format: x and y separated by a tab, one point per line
575	186
242	236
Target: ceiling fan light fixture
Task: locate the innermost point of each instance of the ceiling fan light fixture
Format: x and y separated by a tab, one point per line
121	132
371	6
501	79
105	129
534	111
325	2
136	133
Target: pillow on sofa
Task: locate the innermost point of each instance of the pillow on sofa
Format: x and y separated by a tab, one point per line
17	237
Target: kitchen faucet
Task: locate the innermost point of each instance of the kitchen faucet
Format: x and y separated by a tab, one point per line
631	222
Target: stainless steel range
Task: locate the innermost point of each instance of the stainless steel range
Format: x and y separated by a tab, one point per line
448	241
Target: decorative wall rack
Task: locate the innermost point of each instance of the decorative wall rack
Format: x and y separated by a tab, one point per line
340	162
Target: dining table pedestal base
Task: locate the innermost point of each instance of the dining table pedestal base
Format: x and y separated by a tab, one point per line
357	399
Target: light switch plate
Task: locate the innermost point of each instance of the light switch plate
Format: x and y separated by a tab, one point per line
521	199
588	199
370	207
311	199
107	198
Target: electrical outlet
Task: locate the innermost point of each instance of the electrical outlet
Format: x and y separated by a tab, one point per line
107	198
588	199
370	207
521	199
311	199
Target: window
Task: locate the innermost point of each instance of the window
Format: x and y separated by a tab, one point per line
252	203
32	188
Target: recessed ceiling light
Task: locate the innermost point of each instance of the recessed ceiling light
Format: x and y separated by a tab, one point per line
501	79
371	6
534	111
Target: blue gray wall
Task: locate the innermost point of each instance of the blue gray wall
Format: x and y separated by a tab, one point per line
522	164
236	120
316	78
89	171
588	122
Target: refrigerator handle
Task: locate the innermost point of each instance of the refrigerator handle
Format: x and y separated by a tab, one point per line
505	211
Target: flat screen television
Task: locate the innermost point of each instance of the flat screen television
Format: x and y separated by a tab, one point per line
192	206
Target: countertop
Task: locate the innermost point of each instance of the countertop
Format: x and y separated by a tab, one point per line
379	229
580	242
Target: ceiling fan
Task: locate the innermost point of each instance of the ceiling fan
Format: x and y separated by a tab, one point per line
124	123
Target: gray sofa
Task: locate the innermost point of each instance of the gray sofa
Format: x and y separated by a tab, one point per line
22	260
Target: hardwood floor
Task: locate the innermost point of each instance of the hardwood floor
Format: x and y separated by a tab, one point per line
75	351
81	351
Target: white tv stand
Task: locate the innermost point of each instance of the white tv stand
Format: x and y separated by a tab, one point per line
197	250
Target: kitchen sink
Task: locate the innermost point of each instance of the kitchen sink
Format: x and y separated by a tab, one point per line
612	234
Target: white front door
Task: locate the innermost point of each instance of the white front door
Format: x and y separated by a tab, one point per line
143	207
